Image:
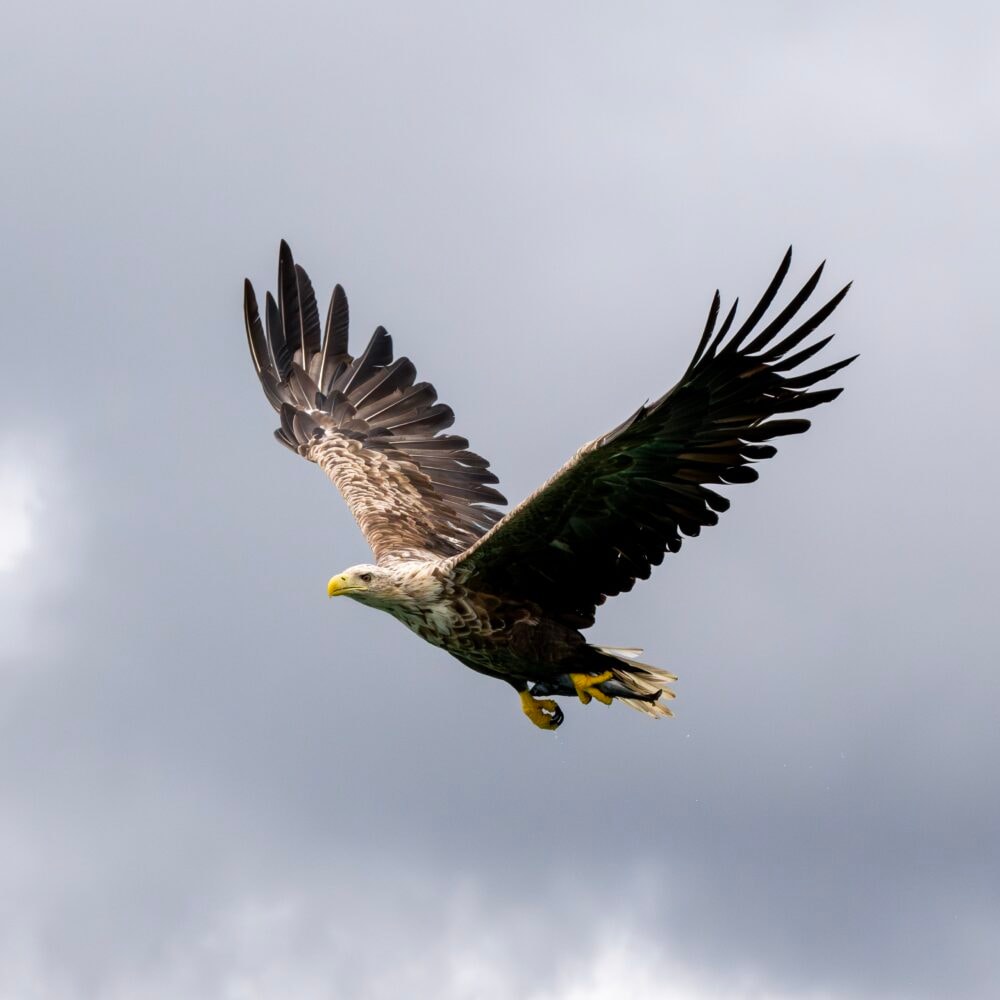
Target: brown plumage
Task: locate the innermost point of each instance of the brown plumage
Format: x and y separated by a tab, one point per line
508	595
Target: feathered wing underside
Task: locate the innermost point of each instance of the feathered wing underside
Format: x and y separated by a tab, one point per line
368	423
609	515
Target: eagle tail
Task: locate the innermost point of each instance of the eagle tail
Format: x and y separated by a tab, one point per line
635	684
638	685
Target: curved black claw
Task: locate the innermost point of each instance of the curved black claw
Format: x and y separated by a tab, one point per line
543	712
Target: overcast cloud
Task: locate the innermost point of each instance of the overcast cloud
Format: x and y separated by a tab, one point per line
215	783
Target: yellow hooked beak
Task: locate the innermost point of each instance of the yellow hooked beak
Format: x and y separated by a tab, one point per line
338	585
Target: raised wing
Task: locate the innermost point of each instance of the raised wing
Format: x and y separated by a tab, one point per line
608	515
373	429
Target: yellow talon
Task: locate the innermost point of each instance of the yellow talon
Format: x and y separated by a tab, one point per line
587	687
543	712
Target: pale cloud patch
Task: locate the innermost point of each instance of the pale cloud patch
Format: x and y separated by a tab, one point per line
38	544
18	507
400	936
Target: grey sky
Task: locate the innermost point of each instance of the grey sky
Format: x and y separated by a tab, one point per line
215	783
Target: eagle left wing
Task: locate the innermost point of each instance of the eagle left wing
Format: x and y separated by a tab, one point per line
370	426
609	515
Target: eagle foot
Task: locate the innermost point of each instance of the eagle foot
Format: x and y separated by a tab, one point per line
543	712
586	686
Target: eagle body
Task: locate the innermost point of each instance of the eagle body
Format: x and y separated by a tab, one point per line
497	636
509	596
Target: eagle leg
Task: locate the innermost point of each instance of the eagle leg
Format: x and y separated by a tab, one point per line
543	712
586	686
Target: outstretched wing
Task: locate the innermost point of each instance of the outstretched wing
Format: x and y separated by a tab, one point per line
372	428
608	515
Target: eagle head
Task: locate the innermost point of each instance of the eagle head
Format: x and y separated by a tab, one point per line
396	589
361	582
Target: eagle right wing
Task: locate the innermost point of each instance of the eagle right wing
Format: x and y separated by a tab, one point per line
376	432
609	515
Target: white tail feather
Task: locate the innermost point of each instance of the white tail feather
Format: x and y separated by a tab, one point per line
622	652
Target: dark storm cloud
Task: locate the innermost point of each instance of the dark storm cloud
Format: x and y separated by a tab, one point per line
209	775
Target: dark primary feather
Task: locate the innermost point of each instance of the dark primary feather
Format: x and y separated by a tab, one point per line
369	422
334	351
609	515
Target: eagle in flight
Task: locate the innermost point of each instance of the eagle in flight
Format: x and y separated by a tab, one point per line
508	594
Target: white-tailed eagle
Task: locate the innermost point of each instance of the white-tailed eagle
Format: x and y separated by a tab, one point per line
509	594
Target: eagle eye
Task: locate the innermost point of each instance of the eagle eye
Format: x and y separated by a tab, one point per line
366	578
